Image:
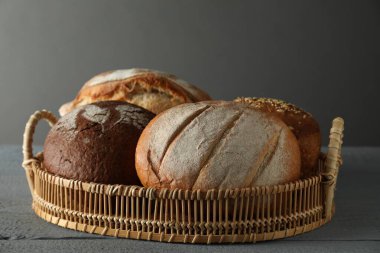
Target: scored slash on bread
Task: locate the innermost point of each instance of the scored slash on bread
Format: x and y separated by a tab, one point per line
216	145
153	90
303	125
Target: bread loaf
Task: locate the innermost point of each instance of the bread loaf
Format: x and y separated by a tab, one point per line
303	125
96	143
153	90
216	145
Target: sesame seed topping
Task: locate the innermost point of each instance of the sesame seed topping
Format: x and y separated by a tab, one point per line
277	105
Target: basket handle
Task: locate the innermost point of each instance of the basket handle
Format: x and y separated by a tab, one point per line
27	148
332	165
30	127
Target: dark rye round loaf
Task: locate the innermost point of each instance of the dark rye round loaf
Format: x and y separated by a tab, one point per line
303	125
216	145
97	143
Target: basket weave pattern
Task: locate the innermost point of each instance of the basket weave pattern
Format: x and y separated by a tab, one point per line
215	216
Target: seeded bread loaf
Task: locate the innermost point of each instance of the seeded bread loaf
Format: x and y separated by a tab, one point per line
216	145
303	125
153	90
97	143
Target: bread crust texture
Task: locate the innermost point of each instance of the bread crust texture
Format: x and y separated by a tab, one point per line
216	145
153	90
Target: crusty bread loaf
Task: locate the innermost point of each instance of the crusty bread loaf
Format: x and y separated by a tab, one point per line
96	143
303	125
216	145
153	90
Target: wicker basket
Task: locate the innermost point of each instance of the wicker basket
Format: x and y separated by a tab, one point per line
216	216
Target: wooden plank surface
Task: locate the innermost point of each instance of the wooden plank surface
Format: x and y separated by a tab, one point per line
355	227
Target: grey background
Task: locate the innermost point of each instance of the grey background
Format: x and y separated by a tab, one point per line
321	55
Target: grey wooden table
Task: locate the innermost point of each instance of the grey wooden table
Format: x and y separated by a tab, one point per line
355	227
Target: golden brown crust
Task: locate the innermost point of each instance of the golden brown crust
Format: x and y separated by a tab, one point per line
303	125
96	143
155	91
212	145
147	82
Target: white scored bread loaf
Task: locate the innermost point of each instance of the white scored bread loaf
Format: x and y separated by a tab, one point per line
303	125
153	90
216	145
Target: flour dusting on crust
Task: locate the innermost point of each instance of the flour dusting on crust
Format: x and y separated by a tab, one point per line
96	114
132	115
122	74
69	123
70	120
92	113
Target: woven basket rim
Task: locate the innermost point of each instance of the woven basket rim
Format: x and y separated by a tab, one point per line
177	193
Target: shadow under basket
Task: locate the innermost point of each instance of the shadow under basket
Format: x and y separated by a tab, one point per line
215	216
